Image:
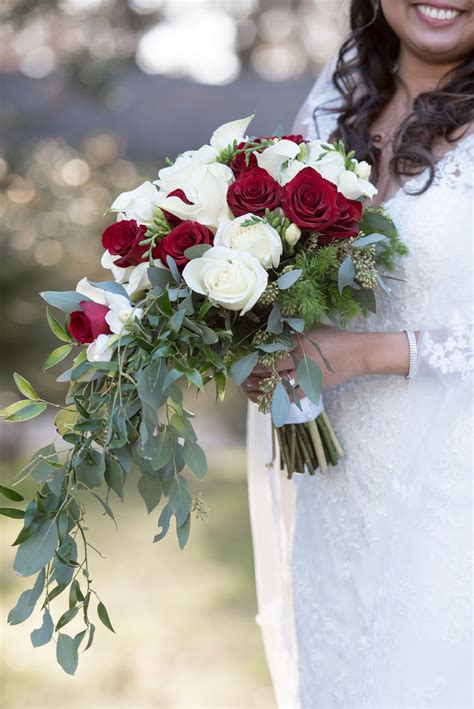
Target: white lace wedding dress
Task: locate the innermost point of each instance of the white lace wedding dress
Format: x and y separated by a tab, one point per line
364	574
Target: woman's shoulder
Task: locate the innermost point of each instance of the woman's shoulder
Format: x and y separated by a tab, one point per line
317	116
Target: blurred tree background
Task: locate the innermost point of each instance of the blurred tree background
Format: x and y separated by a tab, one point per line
94	94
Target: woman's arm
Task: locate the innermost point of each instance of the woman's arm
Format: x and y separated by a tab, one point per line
351	354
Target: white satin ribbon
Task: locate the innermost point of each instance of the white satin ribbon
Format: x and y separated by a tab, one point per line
309	411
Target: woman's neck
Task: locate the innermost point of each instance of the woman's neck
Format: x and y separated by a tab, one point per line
417	76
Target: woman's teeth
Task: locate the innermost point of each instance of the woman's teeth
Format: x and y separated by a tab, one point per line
436	13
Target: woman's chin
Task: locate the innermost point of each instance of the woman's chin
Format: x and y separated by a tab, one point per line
439	42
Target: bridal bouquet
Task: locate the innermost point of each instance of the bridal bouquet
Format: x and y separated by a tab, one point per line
221	264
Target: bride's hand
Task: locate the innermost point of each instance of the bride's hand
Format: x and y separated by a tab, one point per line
350	354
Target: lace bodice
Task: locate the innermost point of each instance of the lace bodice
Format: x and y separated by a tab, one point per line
402	492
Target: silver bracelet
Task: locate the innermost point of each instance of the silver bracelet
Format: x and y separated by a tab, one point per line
413	350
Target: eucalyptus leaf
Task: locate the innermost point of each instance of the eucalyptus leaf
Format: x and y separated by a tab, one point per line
12	512
66	617
27	411
196	251
288	279
67	301
368	240
171	263
182	427
346	274
179	499
195	459
163	522
149	488
111	287
366	298
160	277
90	471
310	378
280	405
66	653
37	550
163	451
275	320
183	530
42	636
27	601
114	476
104	616
243	368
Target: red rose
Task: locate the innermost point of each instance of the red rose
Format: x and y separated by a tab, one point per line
310	201
123	239
238	163
347	221
181	238
87	324
254	191
173	220
297	138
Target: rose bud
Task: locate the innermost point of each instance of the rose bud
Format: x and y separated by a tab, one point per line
292	234
182	237
172	219
346	223
254	191
87	324
310	201
123	239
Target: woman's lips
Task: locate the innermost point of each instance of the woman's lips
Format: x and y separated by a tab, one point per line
437	16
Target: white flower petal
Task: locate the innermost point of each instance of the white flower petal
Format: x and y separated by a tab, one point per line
228	132
92	292
102	349
272	158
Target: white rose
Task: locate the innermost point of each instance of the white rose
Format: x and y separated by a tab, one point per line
275	156
290	171
259	239
233	279
330	166
182	173
138	204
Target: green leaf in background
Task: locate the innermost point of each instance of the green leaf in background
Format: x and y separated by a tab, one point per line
280	405
56	328
163	452
196	251
42	636
25	387
91	470
183	531
150	384
12	512
288	279
111	287
180	500
66	653
56	356
66	617
27	601
104	616
66	420
195	459
11	494
114	476
243	368
310	378
163	523
29	412
297	324
172	376
346	274
182	427
67	301
377	221
37	550
91	636
107	508
171	263
149	488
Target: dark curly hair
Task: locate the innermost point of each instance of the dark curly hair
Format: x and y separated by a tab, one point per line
368	59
